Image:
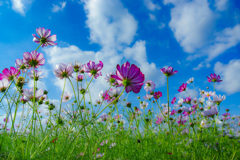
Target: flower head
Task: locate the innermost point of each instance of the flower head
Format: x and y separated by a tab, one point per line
21	65
66	96
143	105
218	99
182	119
190	80
29	94
109	79
204	124
159	120
211	112
93	69
149	86
148	96
157	95
174	100
4	85
214	78
9	74
129	76
45	38
79	78
33	59
168	72
182	87
37	75
63	71
113	94
208	94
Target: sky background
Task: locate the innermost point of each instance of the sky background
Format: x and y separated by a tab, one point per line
195	37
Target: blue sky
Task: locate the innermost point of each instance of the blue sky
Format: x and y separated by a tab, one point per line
195	37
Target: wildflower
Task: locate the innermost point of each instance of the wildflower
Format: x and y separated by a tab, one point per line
9	74
33	59
149	86
174	100
209	104
208	94
112	145
201	100
185	131
66	96
190	80
157	95
129	76
148	96
109	79
4	84
45	38
182	119
79	78
63	71
93	69
182	87
159	120
211	112
29	94
172	112
99	155
168	72
77	66
21	65
113	94
204	124
214	78
37	75
187	100
118	116
217	99
6	119
143	105
99	101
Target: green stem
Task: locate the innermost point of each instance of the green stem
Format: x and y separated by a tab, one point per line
168	106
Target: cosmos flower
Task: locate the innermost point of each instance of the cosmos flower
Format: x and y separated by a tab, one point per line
148	96
159	120
182	87
4	83
149	86
157	95
204	124
20	64
113	94
28	95
218	99
182	119
63	71
211	112
208	94
168	72
109	79
93	69
33	59
66	96
37	75
190	80
9	74
45	38
143	105
129	76
79	78
214	78
174	100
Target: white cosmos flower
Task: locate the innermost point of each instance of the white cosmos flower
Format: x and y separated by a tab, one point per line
190	80
204	124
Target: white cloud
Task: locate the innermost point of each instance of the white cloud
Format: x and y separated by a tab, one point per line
110	23
221	5
57	8
20	6
162	25
193	93
229	76
152	17
200	65
151	6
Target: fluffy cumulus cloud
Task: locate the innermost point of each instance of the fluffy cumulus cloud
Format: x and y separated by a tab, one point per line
21	6
152	17
110	24
151	6
229	76
60	7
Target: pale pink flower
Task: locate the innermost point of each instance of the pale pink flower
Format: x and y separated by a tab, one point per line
37	75
29	94
66	96
93	69
63	71
45	38
149	86
33	59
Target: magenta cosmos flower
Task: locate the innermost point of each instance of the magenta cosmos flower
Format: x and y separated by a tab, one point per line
214	78
93	69
174	100
129	76
45	38
182	119
157	95
182	87
9	74
33	59
168	72
63	71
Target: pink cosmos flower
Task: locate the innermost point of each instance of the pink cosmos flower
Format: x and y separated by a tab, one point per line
93	69
214	78
104	117
66	96
187	100
157	95
174	100
185	131
6	119
113	94
131	77
79	78
168	72
37	75
45	38
149	86
110	80
29	94
9	74
20	64
104	95
218	99
33	59
159	120
173	112
143	105
63	71
4	85
148	96
182	119
211	112
182	87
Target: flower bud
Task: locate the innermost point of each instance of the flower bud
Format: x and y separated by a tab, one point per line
227	110
129	104
45	92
